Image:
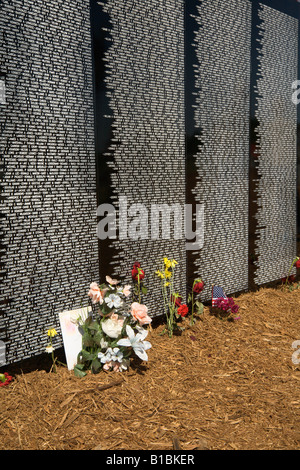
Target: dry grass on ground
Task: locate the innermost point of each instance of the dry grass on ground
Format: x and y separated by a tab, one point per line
219	385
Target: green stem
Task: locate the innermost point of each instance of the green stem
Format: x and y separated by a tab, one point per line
139	291
296	259
165	298
53	358
192	319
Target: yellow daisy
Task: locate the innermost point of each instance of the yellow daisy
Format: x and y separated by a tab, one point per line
168	274
160	274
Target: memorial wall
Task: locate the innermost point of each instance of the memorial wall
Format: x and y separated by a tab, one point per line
142	107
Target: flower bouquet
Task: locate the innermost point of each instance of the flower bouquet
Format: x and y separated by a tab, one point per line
112	332
174	309
226	308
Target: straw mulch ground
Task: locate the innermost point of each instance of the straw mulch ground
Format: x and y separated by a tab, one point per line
219	385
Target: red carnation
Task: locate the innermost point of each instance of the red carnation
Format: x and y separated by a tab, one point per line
183	310
297	264
198	287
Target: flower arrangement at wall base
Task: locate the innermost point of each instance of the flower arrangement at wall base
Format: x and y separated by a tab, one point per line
113	331
174	309
226	309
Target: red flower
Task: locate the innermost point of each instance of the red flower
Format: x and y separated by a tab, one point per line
5	379
137	272
183	310
177	301
198	287
136	264
297	264
134	272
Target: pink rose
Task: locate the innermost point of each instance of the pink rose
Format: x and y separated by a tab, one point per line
126	290
95	293
140	313
112	282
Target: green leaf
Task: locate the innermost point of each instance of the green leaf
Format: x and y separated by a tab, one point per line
88	321
144	290
94	326
98	337
95	366
87	340
200	307
78	370
200	310
86	355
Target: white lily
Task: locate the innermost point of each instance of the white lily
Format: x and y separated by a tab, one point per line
136	342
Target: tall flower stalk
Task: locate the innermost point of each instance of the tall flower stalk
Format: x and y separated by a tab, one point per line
138	275
292	265
50	349
167	275
197	306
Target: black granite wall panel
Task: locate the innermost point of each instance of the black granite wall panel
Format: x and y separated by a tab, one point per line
222	74
145	88
49	250
277	145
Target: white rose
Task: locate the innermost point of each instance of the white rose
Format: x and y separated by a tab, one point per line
112	327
